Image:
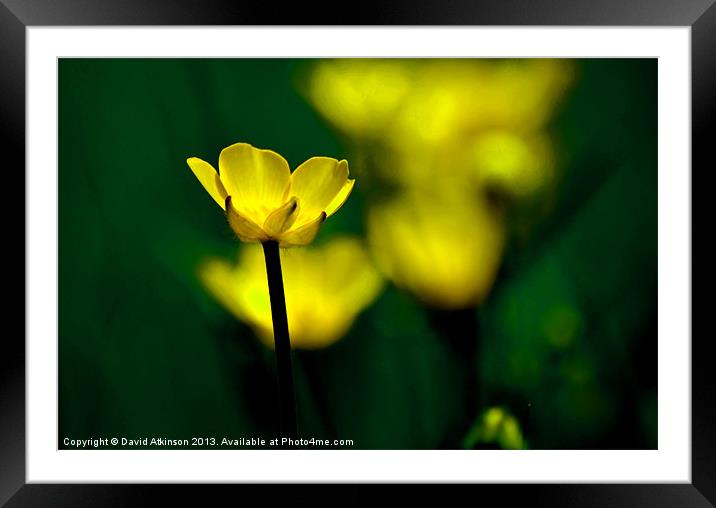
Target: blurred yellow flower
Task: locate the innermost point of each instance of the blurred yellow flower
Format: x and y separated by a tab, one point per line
264	201
464	96
496	426
326	287
359	96
515	164
430	100
445	248
447	116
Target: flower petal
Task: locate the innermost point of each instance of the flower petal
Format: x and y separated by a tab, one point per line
340	198
245	228
209	178
258	180
218	276
316	183
282	218
302	235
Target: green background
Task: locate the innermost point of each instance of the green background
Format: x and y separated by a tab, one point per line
144	351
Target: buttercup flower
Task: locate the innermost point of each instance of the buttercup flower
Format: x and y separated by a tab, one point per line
443	247
519	166
326	287
264	201
473	122
433	100
497	427
359	96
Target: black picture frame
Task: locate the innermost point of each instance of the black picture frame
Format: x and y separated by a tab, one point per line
700	15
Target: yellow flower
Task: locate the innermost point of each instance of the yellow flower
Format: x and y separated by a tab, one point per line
432	100
326	287
478	122
445	248
264	201
498	427
461	97
359	96
518	165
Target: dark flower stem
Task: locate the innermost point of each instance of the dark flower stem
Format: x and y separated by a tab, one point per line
287	401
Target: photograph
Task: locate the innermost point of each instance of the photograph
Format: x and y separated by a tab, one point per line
357	253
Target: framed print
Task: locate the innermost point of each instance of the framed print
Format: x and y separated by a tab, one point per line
440	253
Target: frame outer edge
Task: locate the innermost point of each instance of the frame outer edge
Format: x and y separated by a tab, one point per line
12	357
703	125
367	12
12	373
